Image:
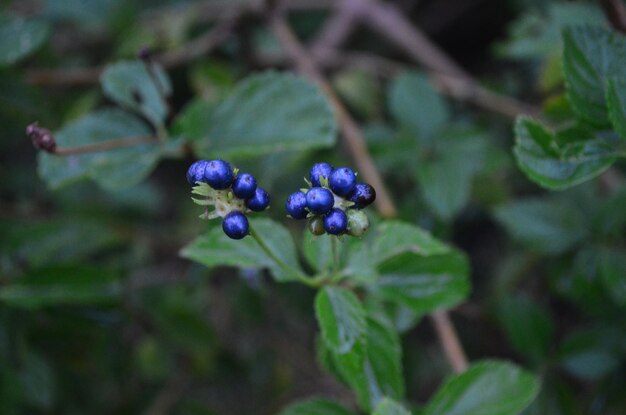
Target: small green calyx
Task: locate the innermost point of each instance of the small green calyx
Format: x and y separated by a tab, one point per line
222	201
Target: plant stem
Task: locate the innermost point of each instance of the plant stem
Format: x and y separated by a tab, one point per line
311	282
335	249
449	340
353	136
104	145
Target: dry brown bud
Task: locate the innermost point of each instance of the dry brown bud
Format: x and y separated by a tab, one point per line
41	137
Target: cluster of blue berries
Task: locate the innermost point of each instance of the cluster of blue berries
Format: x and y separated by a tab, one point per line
333	202
232	194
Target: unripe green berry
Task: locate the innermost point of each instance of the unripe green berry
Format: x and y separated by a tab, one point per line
358	223
316	225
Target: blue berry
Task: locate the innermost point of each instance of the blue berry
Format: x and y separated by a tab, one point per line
244	186
296	205
260	201
319	200
335	222
362	196
319	169
218	174
195	173
235	225
342	181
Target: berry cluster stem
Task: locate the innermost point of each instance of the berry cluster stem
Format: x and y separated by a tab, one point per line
354	139
335	248
311	282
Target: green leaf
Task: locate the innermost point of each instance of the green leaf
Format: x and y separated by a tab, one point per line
416	105
373	369
194	120
446	179
616	102
359	266
592	353
528	325
609	218
179	315
37	381
555	398
20	37
11	393
54	241
390	407
355	257
541	159
266	113
346	367
396	315
86	14
396	237
341	318
486	388
135	85
425	283
613	273
315	406
112	169
591	55
318	251
215	248
152	360
550	225
535	35
62	285
360	90
382	367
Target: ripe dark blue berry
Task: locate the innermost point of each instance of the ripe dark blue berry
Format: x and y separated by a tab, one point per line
342	181
362	196
195	173
260	201
296	205
218	174
319	200
235	225
319	169
244	186
335	222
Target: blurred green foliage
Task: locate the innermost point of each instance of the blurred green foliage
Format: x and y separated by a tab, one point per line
115	296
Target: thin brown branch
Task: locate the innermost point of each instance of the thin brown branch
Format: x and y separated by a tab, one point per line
227	14
170	394
611	180
64	77
457	88
615	12
389	22
337	28
449	340
195	49
104	145
200	46
213	7
356	145
467	90
352	134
